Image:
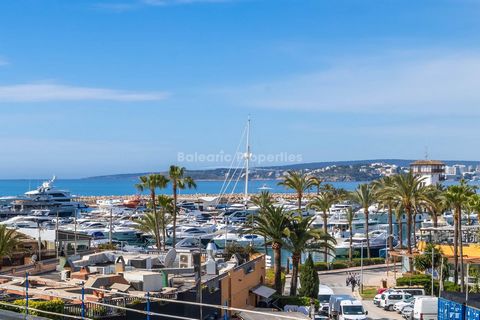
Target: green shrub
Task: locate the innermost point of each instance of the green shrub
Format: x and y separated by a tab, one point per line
339	265
420	280
309	279
320	266
297	301
270	278
56	306
451	287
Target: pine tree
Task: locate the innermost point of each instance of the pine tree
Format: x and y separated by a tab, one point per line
309	279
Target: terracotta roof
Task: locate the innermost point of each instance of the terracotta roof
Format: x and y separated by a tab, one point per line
427	162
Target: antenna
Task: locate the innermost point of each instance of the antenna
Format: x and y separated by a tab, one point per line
247	161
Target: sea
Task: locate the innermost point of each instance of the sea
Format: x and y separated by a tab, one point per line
121	187
126	186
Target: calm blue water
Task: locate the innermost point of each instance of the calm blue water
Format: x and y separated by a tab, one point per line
117	187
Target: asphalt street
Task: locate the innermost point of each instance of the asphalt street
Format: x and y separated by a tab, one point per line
337	283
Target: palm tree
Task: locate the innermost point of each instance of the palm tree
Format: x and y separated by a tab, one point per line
273	224
350	216
474	204
151	183
399	211
165	215
9	240
149	224
457	197
322	202
300	183
434	201
179	181
302	237
407	189
387	200
263	200
365	197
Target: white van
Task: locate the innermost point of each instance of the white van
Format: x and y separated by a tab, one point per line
389	299
324	294
425	308
352	310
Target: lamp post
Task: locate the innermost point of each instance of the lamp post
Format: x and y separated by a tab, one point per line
433	263
361	268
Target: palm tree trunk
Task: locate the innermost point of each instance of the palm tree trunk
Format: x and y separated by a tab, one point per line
299	195
174	237
154	207
408	211
460	240
455	246
325	254
294	280
390	227
400	230
350	250
435	219
277	266
265	244
414	229
366	232
164	233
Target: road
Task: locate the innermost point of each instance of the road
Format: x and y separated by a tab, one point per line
371	277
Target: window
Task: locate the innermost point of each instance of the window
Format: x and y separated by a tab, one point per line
352	310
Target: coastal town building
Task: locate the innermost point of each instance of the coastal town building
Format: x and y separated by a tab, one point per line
127	278
431	171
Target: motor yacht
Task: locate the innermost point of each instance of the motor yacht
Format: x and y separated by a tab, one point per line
46	197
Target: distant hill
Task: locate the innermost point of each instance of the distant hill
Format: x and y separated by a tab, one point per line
270	172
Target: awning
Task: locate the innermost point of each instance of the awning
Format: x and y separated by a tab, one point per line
264	291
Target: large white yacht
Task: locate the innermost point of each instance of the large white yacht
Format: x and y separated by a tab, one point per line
50	200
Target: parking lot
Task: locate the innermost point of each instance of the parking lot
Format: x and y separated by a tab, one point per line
337	283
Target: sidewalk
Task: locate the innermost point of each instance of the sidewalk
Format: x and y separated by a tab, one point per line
358	269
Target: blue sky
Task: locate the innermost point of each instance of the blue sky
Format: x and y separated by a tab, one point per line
100	87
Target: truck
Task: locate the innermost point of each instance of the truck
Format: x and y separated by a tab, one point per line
345	307
425	308
324	294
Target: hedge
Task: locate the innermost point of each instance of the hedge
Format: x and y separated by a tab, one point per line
296	301
270	278
55	305
343	264
421	280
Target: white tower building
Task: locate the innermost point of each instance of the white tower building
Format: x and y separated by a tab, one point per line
432	171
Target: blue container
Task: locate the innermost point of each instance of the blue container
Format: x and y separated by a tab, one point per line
472	313
450	310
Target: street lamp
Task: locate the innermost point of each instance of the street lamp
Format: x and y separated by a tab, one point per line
361	267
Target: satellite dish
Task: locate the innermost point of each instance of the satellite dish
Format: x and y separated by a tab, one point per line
34	258
170	258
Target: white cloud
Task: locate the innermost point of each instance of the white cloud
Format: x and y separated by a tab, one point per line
443	84
40	92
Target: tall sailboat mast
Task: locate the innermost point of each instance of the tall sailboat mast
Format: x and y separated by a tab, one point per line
247	161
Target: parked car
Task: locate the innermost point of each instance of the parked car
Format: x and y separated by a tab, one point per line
398	306
389	299
378	297
407	312
401	304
